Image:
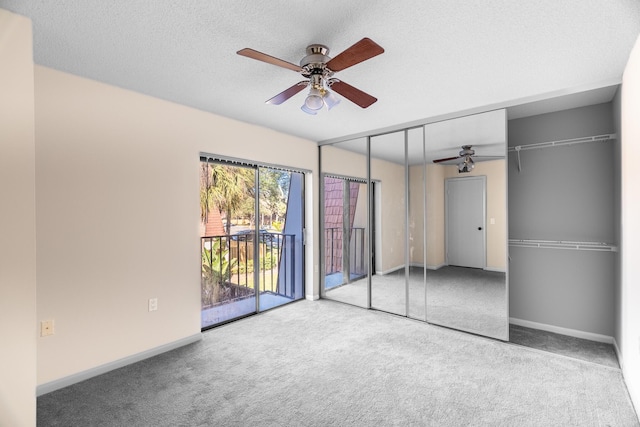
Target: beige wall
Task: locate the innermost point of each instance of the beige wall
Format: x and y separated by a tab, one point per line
17	224
390	215
435	216
495	172
117	177
630	225
417	191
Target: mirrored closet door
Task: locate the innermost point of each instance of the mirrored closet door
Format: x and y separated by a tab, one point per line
345	238
467	224
415	223
416	232
388	169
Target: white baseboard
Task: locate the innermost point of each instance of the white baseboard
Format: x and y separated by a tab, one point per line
563	331
497	270
618	353
99	370
391	270
312	297
429	267
633	393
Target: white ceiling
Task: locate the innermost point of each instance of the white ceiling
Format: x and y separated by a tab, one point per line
442	57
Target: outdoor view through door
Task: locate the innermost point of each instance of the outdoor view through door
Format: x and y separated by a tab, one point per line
240	205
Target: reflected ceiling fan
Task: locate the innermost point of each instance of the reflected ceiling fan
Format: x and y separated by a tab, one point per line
318	69
464	159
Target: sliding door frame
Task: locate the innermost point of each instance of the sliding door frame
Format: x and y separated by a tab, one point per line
256	166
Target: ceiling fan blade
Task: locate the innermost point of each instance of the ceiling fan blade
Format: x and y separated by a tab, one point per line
446	159
288	93
354	95
361	51
254	54
486	158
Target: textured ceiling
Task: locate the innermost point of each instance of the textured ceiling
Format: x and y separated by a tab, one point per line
441	57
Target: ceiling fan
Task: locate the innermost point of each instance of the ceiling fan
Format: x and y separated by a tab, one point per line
464	159
318	68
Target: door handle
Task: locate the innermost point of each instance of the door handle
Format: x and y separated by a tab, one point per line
480	228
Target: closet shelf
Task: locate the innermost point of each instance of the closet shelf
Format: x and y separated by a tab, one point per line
601	138
563	244
517	149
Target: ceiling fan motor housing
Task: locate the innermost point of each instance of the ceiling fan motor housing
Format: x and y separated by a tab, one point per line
467	151
315	61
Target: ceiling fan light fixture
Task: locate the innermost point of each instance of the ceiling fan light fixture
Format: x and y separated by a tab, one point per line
331	100
308	110
467	165
314	100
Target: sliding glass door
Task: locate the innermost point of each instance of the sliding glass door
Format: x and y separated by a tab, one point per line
281	200
251	229
227	209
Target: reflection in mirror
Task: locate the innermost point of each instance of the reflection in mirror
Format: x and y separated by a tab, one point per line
345	239
467	224
388	283
416	242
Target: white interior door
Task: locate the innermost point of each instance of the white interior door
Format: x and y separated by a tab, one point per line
465	221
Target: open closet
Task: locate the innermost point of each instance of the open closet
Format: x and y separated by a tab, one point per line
562	226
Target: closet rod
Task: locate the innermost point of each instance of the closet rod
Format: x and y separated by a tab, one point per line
601	138
562	244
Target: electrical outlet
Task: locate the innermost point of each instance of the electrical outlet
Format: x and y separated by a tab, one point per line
153	304
46	328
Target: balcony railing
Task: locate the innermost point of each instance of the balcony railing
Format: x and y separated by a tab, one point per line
228	265
334	248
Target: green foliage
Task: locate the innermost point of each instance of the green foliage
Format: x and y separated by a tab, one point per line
278	226
215	268
269	261
229	188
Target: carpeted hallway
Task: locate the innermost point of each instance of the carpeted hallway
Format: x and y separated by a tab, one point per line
324	363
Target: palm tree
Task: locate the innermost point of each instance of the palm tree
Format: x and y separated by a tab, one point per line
225	187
